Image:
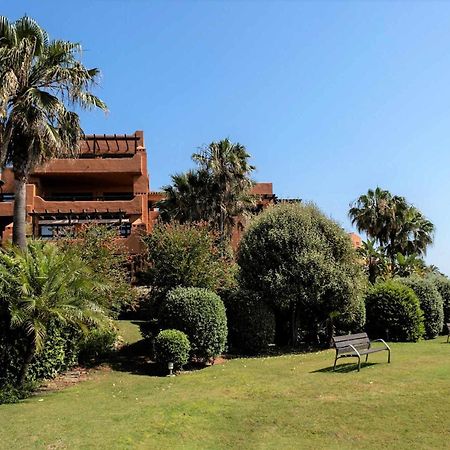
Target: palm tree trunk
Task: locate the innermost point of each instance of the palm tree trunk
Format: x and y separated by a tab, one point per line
19	219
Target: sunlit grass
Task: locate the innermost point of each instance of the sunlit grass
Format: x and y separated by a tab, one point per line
279	402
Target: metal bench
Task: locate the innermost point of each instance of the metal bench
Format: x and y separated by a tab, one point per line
448	331
357	345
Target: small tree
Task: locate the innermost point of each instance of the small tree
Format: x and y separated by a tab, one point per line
185	255
303	264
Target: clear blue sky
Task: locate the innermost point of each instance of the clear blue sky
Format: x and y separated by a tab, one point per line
330	98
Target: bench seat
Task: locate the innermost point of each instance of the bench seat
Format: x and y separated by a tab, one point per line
357	345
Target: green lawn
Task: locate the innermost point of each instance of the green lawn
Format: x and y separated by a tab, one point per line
279	402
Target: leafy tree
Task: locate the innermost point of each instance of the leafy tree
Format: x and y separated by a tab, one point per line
375	263
40	80
217	192
42	285
304	266
185	255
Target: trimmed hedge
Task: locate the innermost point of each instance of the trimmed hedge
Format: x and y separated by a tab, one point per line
172	346
443	286
393	312
251	322
200	314
430	302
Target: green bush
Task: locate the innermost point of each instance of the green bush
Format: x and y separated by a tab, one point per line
251	322
430	303
98	343
304	265
185	255
201	315
393	312
172	346
443	286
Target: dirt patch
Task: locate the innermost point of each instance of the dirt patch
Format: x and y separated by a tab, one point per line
70	378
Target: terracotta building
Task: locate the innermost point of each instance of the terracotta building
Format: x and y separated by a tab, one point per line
108	183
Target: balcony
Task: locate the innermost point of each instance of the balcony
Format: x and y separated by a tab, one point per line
130	166
134	206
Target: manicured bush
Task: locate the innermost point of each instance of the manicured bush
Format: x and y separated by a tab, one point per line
172	346
201	315
251	322
303	264
393	312
430	303
443	286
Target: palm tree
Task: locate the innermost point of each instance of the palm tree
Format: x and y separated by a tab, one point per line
39	81
374	260
393	223
217	192
43	285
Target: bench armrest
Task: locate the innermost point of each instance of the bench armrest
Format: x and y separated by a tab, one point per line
383	342
354	349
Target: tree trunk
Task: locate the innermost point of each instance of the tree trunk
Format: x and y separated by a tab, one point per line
27	361
20	211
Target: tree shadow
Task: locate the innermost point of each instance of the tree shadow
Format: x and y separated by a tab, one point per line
134	359
344	368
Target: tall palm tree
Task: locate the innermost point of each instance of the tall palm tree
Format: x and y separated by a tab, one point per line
228	166
44	284
397	226
40	80
217	192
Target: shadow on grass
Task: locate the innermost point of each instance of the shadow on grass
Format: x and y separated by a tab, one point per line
133	358
344	368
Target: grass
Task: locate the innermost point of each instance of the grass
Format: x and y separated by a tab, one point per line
291	401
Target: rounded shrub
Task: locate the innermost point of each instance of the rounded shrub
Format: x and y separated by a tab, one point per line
172	346
393	312
251	322
442	284
98	343
430	303
200	314
303	264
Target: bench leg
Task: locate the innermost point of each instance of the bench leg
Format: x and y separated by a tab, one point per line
389	356
367	357
359	363
448	338
335	360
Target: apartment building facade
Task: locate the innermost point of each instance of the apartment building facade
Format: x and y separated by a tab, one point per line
107	184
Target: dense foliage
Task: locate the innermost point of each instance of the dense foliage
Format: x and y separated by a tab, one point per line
217	192
393	312
201	315
430	302
102	250
442	284
251	322
49	300
185	255
303	265
172	346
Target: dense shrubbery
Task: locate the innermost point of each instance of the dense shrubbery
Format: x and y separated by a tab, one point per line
430	303
187	256
172	346
97	344
201	315
251	322
51	301
393	312
443	286
303	265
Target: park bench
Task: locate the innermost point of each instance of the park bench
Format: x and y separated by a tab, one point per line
448	332
357	345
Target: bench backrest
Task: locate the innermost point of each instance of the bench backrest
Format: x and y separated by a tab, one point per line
359	341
